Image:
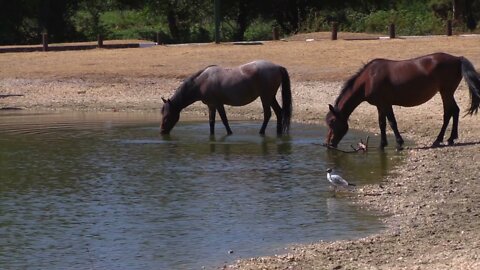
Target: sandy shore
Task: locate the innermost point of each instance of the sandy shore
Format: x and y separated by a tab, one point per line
432	200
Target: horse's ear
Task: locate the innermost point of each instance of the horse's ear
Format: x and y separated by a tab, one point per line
164	100
332	109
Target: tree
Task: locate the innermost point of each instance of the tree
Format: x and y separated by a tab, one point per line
12	15
241	13
54	18
182	15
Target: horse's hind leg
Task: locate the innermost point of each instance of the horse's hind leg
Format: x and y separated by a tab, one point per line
446	119
278	112
223	116
267	113
450	109
455	116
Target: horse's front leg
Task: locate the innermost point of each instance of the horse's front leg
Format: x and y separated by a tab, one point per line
393	124
448	112
382	122
211	118
223	116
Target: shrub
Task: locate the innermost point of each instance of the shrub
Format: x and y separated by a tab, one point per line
259	30
130	24
413	20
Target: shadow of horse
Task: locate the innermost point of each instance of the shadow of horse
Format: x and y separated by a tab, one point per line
461	144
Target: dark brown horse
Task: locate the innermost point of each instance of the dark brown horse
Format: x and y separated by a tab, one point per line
216	86
408	83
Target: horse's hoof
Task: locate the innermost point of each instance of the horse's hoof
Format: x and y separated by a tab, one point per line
451	142
399	148
436	144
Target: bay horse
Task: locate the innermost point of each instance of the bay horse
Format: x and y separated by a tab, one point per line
407	83
239	86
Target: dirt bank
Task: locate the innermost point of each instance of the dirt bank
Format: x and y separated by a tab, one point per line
432	200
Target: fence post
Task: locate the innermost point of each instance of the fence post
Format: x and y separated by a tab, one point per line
275	33
158	39
334	30
100	40
449	27
44	42
392	30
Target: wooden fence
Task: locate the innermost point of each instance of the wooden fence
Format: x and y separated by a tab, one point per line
100	44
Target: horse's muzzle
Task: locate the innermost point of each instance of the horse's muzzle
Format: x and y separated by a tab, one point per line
329	139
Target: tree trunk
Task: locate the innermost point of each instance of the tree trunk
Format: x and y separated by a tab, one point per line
242	21
173	23
459	11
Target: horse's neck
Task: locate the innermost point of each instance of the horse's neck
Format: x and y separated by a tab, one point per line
185	97
350	100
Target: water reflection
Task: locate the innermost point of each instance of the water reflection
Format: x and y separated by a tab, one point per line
363	168
104	192
224	144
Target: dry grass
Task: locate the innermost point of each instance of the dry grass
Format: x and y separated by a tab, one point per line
317	60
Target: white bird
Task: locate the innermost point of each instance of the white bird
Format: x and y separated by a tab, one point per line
336	180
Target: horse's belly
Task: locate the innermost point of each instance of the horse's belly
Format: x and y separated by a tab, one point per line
240	102
230	99
240	98
411	98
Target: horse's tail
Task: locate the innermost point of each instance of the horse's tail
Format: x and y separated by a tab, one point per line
286	101
473	81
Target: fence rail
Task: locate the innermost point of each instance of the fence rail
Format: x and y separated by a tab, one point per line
44	46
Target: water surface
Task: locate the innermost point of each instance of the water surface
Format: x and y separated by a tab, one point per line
105	191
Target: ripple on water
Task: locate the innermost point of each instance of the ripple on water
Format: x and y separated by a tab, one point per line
106	191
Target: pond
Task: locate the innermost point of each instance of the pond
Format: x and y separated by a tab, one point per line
106	191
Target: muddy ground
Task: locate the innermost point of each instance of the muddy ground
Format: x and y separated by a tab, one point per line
431	201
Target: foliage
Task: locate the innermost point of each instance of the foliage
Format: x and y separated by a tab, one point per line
260	29
412	20
130	24
177	21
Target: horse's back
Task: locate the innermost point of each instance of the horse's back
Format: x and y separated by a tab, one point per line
411	82
240	85
260	64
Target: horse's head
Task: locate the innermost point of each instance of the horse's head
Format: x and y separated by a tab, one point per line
337	126
170	116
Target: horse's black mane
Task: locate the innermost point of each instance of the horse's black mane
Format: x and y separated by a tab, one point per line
187	85
349	83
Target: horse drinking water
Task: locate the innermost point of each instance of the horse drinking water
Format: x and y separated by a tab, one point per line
216	86
408	83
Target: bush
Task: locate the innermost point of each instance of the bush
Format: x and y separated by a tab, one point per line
259	30
84	23
414	20
129	24
132	24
